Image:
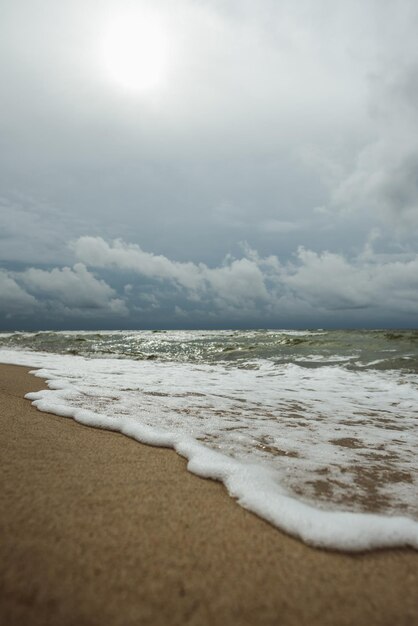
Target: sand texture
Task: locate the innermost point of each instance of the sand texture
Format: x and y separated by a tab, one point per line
98	529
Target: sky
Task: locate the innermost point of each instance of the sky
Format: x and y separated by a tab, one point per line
208	164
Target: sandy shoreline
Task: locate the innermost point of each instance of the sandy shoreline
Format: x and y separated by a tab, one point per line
98	529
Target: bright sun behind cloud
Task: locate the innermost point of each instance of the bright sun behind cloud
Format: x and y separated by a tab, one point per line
135	51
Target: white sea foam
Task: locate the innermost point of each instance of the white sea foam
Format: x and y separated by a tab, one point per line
310	450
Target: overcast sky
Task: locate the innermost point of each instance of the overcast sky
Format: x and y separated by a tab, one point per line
208	163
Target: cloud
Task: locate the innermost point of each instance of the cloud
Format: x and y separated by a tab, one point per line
237	280
330	281
383	180
280	226
34	231
74	290
319	283
301	139
14	300
313	288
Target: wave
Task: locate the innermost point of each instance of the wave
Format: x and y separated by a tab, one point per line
327	454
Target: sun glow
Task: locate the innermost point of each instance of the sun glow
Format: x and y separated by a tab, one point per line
135	51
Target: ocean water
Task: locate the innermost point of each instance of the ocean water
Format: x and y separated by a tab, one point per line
316	431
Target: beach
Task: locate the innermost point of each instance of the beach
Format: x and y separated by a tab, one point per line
99	529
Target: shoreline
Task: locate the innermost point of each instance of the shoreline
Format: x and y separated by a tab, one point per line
97	528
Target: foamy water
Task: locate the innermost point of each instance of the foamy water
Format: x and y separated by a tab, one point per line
316	432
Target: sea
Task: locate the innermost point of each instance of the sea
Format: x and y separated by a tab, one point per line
314	430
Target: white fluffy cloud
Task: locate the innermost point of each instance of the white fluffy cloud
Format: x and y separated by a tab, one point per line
13	299
237	280
60	291
321	282
313	288
73	286
331	281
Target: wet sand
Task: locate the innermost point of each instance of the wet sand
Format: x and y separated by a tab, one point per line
98	529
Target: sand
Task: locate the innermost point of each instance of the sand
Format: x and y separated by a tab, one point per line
98	529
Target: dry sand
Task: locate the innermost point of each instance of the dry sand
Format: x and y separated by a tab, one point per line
98	529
